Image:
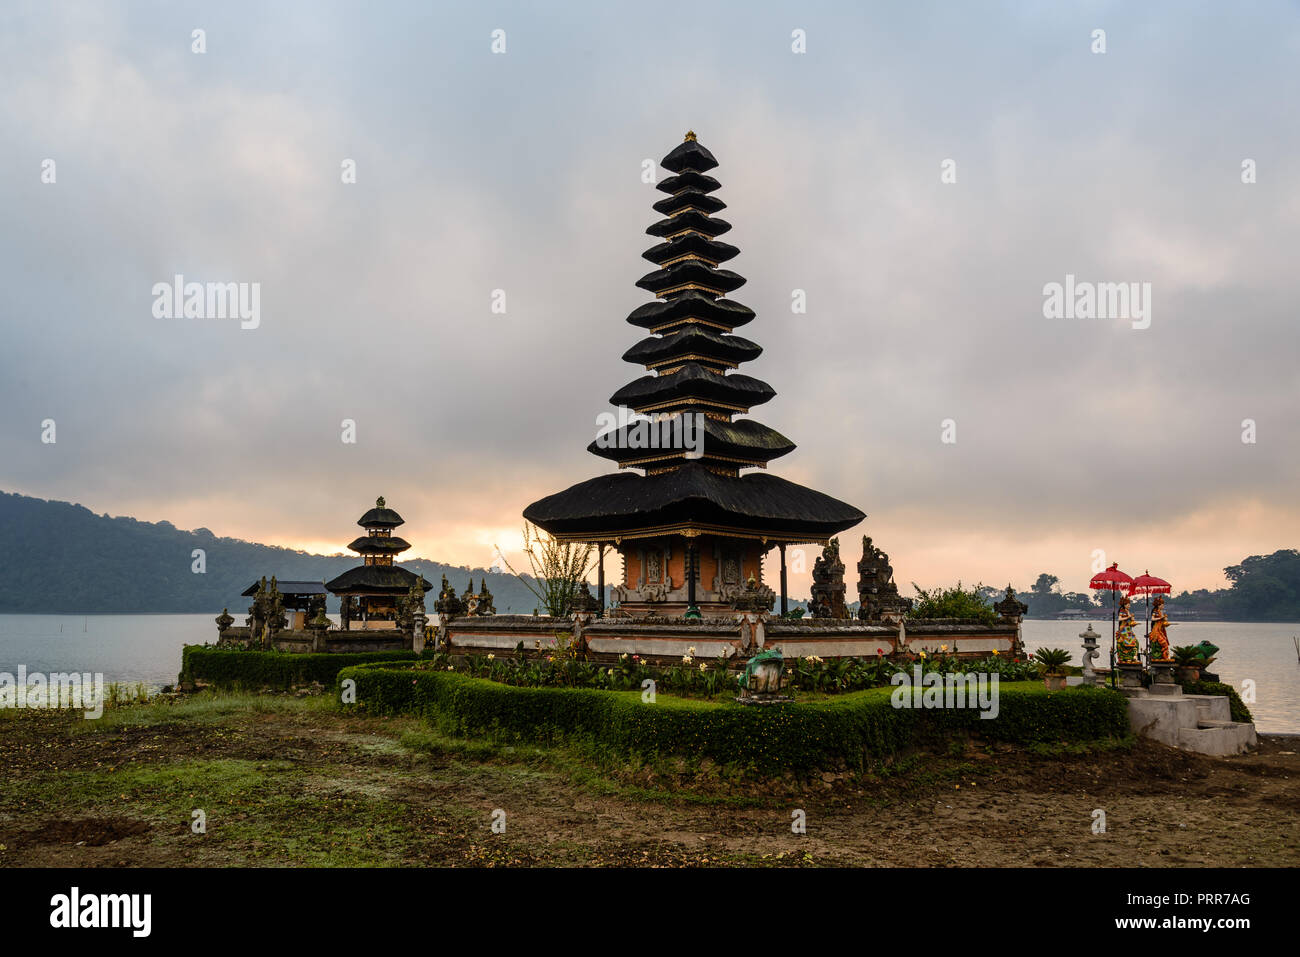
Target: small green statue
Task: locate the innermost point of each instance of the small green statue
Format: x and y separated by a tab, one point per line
765	668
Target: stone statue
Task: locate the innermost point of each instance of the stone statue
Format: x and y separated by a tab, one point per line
878	596
276	620
584	602
447	604
1126	643
485	604
755	597
827	599
1159	634
763	675
224	621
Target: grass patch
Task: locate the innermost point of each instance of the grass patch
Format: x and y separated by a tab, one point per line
204	708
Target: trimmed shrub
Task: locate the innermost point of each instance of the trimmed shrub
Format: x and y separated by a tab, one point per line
238	668
849	729
1238	707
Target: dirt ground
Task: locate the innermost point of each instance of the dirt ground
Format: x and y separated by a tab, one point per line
291	781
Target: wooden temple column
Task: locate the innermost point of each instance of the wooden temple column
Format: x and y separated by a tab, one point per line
600	576
691	559
784	604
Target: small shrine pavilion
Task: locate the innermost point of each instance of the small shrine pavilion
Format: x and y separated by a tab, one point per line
369	594
691	525
300	600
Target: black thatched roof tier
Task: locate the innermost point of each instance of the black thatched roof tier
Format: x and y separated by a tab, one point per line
376	579
701	223
692	341
368	545
693	381
692	199
380	517
692	491
688	179
691	244
743	440
691	497
691	305
663	282
689	155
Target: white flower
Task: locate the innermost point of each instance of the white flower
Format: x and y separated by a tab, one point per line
490	657
703	667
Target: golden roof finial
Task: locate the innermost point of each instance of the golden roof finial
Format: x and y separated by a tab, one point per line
690	136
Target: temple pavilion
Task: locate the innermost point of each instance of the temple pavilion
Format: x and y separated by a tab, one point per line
369	593
691	525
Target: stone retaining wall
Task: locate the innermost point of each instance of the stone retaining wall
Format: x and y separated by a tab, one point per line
739	636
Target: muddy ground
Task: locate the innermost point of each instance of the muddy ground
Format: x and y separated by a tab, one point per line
292	781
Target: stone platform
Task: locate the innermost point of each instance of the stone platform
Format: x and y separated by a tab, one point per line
1190	722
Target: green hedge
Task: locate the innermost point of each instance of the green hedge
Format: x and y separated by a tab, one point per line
236	668
1238	707
851	728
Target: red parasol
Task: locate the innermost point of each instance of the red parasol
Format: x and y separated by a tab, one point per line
1147	585
1112	580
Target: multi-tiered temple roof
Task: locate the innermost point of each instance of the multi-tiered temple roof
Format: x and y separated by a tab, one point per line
378	547
691	356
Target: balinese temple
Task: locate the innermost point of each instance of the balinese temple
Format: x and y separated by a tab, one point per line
691	524
369	593
299	599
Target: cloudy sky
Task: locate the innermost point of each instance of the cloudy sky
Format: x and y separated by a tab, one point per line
521	171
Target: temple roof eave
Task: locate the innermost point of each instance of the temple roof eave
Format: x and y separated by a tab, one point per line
696	499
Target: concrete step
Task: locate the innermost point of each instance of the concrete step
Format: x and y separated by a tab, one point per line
1200	723
1211	707
1219	738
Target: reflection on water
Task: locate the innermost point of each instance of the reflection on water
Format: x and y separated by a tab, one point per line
148	648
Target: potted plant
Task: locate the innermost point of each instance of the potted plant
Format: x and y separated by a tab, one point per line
1188	660
1053	661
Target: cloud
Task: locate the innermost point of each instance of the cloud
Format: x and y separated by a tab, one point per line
522	173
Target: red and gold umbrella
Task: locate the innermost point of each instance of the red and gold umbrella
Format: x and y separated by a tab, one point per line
1147	585
1112	580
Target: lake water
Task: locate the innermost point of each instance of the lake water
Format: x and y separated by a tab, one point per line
147	648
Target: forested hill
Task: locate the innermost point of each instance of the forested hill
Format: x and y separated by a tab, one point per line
56	557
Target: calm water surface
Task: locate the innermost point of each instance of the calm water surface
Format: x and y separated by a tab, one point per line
1261	651
148	648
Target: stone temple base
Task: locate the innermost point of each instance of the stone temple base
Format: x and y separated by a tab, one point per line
1193	722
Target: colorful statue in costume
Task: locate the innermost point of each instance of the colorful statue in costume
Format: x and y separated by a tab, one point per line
1159	634
1126	643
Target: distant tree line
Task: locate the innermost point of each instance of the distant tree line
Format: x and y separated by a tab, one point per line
1263	588
56	557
